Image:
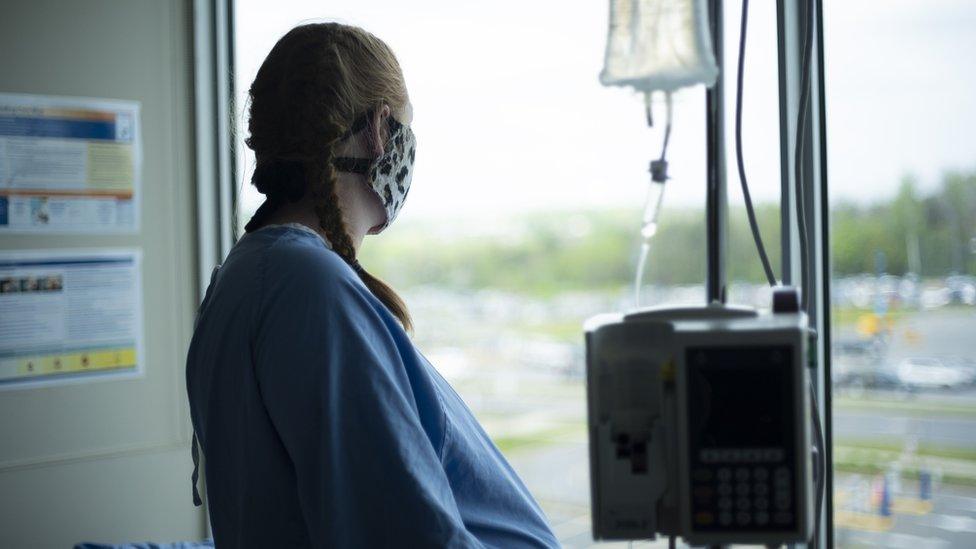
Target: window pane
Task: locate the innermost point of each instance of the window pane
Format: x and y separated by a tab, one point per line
902	174
524	214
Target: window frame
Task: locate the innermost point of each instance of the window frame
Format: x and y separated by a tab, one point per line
213	91
792	20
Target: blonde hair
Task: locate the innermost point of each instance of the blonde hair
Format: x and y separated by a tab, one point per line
317	79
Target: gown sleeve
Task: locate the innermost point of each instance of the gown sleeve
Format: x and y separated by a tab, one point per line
335	387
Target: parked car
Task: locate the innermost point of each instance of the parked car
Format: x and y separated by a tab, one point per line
962	289
932	373
859	364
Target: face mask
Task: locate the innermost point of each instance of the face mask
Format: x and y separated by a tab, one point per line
389	174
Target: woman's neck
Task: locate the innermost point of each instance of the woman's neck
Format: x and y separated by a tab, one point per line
303	212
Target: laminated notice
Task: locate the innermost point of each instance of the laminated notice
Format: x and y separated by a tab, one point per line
69	164
68	315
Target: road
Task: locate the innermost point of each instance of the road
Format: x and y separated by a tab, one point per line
943	432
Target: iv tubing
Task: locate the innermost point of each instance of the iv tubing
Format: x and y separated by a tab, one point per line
652	207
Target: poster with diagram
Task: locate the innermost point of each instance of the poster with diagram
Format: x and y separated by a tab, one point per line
69	316
69	165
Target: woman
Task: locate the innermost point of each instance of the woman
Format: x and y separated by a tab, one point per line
321	424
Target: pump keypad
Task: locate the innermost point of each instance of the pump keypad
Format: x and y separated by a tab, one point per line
753	490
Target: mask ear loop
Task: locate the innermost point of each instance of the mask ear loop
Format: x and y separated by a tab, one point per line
352	165
361	165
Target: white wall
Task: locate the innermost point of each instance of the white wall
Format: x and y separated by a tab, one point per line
109	461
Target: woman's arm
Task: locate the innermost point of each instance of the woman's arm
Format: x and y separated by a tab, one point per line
337	393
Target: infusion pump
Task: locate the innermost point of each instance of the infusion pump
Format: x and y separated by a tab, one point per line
699	425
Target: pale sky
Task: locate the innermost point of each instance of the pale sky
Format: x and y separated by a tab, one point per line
510	115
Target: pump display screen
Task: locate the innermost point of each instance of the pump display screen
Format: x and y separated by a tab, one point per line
741	438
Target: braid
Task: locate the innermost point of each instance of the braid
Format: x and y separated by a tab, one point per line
328	211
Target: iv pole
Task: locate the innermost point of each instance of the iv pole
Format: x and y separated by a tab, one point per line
716	200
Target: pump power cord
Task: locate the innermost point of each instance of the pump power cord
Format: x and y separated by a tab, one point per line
821	464
753	225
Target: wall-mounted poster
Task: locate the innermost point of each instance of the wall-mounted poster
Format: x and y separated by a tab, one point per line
69	164
68	316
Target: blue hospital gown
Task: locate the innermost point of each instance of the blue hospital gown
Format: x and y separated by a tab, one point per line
322	426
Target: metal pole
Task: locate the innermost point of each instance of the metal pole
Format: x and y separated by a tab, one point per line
788	50
825	274
716	203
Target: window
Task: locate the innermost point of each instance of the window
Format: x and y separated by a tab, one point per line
524	220
902	178
524	214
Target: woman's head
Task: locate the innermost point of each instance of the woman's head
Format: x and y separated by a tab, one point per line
317	83
317	79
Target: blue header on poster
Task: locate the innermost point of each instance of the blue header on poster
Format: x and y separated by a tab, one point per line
22	126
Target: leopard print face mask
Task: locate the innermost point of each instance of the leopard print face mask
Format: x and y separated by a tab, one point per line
389	174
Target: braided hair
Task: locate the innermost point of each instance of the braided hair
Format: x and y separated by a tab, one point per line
308	91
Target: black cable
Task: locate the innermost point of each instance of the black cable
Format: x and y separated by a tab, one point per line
821	464
767	268
798	155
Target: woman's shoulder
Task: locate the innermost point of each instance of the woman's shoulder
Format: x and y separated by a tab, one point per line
297	271
299	274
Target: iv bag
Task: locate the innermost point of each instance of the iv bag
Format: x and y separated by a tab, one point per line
658	45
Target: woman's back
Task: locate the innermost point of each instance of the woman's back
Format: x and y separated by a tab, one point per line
322	426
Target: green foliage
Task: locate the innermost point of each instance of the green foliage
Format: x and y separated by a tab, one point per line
930	236
553	252
540	254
